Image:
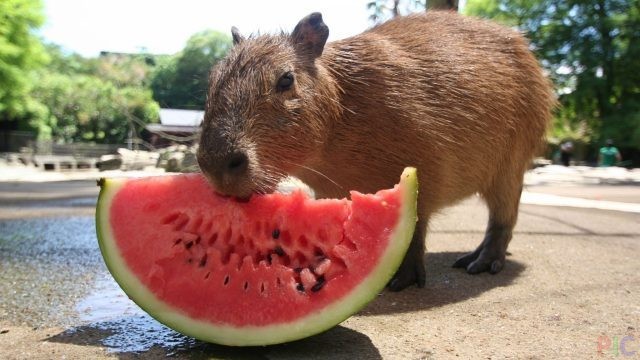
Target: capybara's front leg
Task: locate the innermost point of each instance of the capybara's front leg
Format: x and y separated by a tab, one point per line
412	271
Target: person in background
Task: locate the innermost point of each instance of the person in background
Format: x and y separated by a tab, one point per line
566	149
609	154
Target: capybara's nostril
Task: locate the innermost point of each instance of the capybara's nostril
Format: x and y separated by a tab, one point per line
237	163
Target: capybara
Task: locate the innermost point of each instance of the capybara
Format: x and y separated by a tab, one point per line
462	99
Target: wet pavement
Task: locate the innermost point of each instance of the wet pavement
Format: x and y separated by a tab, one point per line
58	300
52	273
48	264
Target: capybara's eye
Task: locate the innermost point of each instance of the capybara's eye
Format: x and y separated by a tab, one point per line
285	82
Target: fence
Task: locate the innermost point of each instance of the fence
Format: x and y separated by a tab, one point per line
25	142
75	150
23	147
13	141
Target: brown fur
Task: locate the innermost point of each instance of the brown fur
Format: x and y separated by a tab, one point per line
461	99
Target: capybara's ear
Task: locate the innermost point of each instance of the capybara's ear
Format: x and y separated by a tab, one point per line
310	35
237	37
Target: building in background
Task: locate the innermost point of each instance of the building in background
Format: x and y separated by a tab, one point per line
176	127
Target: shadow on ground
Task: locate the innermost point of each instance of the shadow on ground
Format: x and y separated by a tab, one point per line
445	285
141	337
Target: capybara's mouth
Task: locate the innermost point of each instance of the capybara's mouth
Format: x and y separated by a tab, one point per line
240	189
240	193
237	198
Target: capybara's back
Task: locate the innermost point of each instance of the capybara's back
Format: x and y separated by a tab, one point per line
461	99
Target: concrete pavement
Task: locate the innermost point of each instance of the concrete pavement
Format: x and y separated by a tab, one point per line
570	284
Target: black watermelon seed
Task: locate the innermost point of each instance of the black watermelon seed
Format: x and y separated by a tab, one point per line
298	270
203	260
319	284
279	251
300	287
188	245
275	234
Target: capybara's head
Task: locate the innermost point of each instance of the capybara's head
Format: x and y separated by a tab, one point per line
266	110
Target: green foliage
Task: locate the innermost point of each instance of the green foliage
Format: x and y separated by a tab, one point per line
66	63
592	52
124	69
382	10
104	99
93	100
20	53
88	108
120	69
180	81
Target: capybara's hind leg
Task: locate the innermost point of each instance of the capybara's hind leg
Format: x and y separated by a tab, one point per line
503	200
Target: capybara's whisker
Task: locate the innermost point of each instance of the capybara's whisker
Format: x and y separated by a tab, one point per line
315	172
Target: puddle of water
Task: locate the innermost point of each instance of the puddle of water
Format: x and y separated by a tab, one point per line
135	334
105	303
129	329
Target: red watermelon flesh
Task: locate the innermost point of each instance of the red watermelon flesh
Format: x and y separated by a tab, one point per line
275	268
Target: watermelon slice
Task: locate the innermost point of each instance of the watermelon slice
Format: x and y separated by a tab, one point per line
272	269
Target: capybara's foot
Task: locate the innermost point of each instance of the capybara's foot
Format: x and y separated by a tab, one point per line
479	261
411	272
490	255
412	269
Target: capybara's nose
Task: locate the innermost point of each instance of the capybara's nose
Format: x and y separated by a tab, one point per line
235	164
223	168
228	173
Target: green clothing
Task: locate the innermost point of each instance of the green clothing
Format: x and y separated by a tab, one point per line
608	155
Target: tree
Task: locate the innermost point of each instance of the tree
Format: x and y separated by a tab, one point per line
21	52
591	50
122	69
382	10
181	81
74	99
86	108
90	99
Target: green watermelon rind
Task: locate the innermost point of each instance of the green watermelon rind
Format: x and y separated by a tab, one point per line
312	324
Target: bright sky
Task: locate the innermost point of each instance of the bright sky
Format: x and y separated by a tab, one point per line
163	27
